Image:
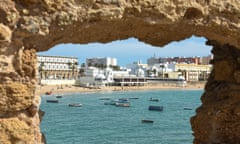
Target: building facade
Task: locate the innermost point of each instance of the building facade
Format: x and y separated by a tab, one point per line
57	67
106	61
192	72
187	60
205	60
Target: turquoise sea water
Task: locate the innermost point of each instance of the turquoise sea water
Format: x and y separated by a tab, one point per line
96	123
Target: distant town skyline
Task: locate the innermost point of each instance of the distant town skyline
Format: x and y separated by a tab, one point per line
130	50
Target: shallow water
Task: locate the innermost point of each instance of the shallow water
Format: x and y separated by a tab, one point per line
96	123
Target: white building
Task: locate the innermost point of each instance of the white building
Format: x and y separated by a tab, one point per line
94	77
107	61
122	73
137	68
57	69
192	72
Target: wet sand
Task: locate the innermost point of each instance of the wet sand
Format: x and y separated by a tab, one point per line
57	89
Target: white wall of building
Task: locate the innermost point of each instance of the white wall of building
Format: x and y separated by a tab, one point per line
120	73
58	82
104	61
96	77
56	62
88	81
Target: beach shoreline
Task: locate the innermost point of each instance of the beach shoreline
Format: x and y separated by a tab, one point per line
63	89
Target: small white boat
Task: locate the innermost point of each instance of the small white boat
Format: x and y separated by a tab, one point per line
122	104
75	105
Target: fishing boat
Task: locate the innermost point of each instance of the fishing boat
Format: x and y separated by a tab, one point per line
119	101
122	104
59	96
123	99
155	108
75	105
147	121
187	108
111	102
52	101
104	98
155	99
133	98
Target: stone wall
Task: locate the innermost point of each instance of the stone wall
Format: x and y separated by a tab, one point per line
28	26
218	119
19	104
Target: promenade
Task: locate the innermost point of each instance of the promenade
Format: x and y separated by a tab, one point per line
56	89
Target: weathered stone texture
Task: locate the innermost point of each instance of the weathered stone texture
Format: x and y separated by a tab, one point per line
28	26
15	97
218	119
5	33
20	129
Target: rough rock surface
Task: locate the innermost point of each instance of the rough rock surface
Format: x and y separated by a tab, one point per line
217	120
27	26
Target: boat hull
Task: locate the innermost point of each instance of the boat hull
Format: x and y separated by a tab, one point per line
147	121
52	101
75	105
155	108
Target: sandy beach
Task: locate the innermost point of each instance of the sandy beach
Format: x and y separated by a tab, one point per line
59	89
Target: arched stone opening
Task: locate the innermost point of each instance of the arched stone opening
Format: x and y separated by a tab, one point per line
29	26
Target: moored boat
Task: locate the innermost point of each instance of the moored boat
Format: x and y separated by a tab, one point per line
119	101
123	99
155	99
122	104
111	102
133	98
187	108
75	105
155	108
104	98
59	96
147	121
52	101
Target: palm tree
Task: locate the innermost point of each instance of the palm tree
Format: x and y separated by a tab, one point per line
155	72
40	69
115	67
70	66
83	65
73	67
96	65
148	72
89	64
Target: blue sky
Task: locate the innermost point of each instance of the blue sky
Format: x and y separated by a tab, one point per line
130	50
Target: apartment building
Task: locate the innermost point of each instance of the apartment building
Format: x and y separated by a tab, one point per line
192	72
106	61
187	60
57	68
